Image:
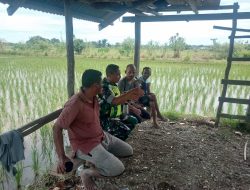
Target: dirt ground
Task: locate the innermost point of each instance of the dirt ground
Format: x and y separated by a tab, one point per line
182	155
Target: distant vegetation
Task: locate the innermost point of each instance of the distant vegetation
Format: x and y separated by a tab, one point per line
175	47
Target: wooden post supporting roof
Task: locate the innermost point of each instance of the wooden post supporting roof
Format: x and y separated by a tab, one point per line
70	48
137	46
248	113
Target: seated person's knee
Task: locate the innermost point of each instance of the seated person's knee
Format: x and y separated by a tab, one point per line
115	169
152	96
152	105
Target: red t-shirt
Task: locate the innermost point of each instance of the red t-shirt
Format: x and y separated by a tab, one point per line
81	118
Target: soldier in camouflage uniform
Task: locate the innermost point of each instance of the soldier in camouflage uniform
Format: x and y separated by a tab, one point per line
112	118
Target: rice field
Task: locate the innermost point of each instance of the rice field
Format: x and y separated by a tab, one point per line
31	87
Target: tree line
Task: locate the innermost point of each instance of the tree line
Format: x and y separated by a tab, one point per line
101	48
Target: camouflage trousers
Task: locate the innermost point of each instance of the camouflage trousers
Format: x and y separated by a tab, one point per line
119	127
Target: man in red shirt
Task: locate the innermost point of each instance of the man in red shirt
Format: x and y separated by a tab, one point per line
80	117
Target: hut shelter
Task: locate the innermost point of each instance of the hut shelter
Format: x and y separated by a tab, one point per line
105	12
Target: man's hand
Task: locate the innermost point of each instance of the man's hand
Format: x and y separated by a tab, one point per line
61	164
137	105
135	110
136	93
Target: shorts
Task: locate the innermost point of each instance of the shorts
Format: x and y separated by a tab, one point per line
144	100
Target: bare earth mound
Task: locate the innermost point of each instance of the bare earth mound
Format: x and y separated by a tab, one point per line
183	155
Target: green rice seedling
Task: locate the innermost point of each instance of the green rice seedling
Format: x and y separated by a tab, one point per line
211	105
2	103
19	175
49	155
194	107
183	107
47	143
35	154
44	140
240	110
246	93
3	176
26	101
35	161
204	98
230	108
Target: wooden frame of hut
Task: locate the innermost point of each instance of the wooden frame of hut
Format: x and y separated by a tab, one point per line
105	12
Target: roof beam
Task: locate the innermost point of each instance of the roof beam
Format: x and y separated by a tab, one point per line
109	21
193	6
230	29
188	17
181	8
14	6
145	7
147	10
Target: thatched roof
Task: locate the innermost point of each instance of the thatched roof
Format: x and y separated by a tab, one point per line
106	12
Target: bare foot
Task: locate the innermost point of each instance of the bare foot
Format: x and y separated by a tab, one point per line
87	181
163	118
156	126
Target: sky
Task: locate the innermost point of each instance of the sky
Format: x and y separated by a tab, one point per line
26	23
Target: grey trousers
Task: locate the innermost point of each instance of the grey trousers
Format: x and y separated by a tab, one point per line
104	155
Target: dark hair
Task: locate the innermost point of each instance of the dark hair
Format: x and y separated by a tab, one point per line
111	69
90	77
130	65
146	68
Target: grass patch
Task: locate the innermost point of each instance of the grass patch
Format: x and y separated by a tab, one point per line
175	116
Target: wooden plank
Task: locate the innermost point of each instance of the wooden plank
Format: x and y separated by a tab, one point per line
234	100
230	53
240	58
14	6
193	5
110	20
236	82
241	37
34	125
241	117
137	46
248	113
228	28
181	8
70	48
188	17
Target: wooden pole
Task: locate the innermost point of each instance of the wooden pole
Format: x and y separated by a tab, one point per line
229	63
248	113
38	123
137	46
70	48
